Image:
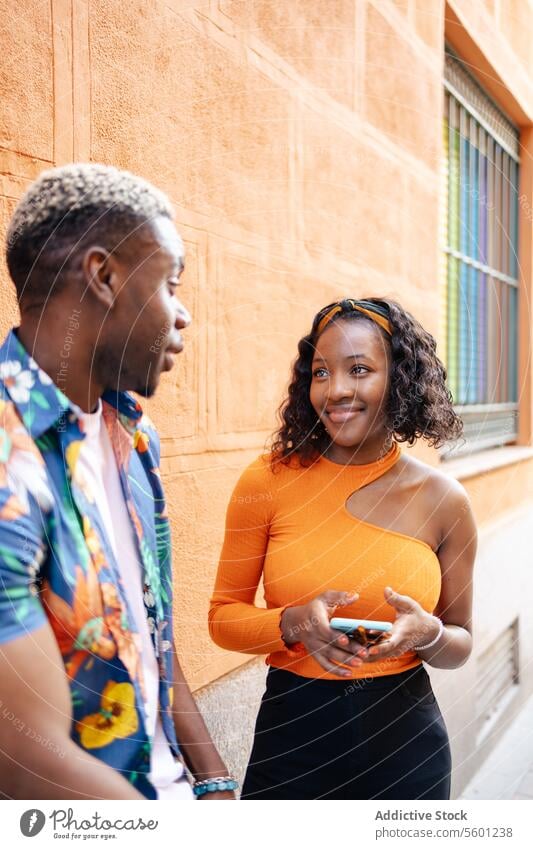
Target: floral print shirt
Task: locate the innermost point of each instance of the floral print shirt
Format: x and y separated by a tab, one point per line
57	565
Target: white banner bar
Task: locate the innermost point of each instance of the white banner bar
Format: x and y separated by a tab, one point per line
275	825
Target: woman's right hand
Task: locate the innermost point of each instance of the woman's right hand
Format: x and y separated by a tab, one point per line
309	624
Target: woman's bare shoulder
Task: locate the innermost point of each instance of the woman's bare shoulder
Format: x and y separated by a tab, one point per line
435	482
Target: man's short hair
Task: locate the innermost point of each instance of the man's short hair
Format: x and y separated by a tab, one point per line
67	207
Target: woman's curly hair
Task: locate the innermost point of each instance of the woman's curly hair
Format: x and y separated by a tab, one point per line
419	403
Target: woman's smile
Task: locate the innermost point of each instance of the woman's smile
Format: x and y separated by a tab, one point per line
342	413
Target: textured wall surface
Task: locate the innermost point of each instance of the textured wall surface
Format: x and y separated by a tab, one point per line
230	707
300	143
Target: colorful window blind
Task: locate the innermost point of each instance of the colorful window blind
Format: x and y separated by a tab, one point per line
479	230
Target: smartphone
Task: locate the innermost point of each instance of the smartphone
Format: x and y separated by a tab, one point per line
365	631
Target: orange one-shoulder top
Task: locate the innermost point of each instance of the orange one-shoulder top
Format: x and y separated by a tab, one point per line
291	529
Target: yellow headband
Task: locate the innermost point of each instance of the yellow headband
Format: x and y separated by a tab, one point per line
383	322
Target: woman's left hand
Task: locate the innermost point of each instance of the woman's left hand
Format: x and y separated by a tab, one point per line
413	626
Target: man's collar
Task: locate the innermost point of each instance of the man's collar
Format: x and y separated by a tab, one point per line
128	408
40	403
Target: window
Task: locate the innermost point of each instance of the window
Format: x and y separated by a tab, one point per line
480	261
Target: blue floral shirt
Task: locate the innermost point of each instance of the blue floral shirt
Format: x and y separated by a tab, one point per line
57	565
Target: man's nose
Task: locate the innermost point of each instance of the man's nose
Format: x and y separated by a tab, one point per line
183	316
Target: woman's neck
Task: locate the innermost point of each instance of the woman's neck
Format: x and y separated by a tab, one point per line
358	455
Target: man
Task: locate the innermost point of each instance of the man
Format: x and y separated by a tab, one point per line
92	697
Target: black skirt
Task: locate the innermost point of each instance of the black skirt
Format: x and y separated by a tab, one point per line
373	738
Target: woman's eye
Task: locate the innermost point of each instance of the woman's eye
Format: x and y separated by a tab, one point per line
359	369
319	372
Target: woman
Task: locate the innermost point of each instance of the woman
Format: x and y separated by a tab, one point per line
336	519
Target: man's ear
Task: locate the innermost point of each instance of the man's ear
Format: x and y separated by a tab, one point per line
100	272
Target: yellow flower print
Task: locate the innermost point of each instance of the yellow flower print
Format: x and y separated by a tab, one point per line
128	642
141	441
117	717
93	544
72	453
77	472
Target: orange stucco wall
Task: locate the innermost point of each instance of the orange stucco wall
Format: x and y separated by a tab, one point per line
299	141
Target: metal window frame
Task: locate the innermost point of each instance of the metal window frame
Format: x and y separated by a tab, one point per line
476	117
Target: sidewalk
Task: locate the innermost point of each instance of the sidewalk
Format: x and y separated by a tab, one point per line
508	771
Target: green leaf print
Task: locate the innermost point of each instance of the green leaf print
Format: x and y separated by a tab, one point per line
5	446
153	578
40	400
76	698
72	517
13	562
46	442
29	417
164	594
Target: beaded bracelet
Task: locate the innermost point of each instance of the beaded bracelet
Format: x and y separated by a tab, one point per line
433	642
214	785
